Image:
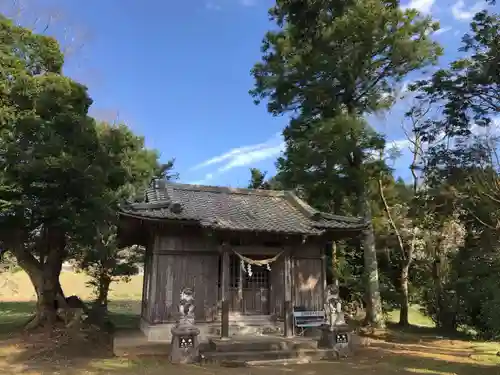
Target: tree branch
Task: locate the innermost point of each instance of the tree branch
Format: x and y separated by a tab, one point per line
391	220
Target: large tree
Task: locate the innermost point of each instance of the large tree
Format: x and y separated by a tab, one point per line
258	181
467	93
49	181
330	63
129	168
461	168
53	168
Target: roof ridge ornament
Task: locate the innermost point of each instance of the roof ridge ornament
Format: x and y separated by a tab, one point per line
160	194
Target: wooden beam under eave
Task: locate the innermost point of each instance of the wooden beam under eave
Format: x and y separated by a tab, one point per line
339	234
132	231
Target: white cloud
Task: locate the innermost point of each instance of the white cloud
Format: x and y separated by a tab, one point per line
217	5
442	30
403	90
244	153
461	12
242	156
404	145
423	6
399	144
248	3
492	130
251	157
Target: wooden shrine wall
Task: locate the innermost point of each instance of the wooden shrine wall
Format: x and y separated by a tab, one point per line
177	263
308	278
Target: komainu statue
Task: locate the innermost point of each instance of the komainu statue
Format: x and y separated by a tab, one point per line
186	307
333	307
185	344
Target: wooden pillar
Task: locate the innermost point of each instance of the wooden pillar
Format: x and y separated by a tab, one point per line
334	265
224	292
146	285
241	275
288	305
323	276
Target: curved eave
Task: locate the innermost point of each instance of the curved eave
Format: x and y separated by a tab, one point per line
315	232
129	235
157	219
356	228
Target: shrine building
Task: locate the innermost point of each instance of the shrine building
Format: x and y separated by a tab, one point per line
250	256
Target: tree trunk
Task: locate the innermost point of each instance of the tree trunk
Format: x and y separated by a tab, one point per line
46	313
99	314
373	302
103	291
374	315
405	303
45	279
446	317
335	273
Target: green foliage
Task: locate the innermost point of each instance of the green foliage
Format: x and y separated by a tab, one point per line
461	175
129	167
329	64
106	263
319	161
469	88
329	56
60	170
8	263
48	144
258	181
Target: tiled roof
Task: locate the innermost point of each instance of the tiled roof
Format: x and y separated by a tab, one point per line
237	209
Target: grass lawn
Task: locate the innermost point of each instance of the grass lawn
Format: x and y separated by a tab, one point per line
415	351
17	299
415	315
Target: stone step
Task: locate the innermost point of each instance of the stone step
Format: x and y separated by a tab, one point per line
236	317
255	344
281	362
259	358
247	328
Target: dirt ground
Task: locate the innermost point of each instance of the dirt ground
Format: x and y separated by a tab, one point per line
389	352
386	354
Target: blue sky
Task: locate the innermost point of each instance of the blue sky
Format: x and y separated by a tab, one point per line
178	73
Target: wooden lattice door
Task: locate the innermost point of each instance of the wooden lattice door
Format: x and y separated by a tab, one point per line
249	294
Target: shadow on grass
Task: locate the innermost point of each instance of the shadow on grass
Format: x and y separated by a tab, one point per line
46	352
14	315
124	321
411	334
413	350
376	361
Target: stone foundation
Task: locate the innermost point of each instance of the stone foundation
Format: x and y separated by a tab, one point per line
240	326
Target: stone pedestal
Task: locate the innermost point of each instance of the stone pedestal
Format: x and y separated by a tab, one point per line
185	344
338	338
